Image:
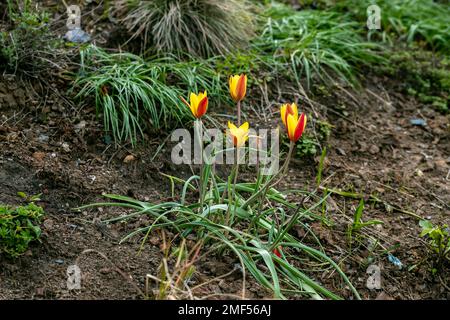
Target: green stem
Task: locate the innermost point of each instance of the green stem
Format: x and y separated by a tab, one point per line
239	113
198	128
269	183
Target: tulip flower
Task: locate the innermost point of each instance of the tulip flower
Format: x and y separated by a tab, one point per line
240	135
294	124
198	104
238	87
277	252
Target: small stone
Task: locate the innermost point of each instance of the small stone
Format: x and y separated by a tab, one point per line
129	158
155	240
418	122
80	125
441	164
40	292
59	261
362	146
43	138
340	151
39	156
65	147
77	35
374	149
383	296
49	224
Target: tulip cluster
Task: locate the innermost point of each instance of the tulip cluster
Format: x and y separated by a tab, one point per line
294	122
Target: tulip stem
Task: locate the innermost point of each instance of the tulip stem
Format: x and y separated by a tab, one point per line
198	129
239	113
269	183
233	190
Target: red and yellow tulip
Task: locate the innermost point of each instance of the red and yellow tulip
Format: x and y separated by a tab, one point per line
238	87
239	135
295	124
198	104
277	252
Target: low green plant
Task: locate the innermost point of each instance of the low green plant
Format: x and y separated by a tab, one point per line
175	270
358	224
199	27
317	45
133	94
29	198
27	45
424	75
438	240
19	226
420	21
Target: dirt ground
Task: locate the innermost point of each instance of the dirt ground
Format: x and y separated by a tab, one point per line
50	145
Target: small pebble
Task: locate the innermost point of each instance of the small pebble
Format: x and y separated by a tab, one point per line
418	122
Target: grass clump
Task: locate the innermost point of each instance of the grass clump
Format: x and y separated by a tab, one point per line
133	94
27	45
424	75
201	28
422	21
317	45
19	227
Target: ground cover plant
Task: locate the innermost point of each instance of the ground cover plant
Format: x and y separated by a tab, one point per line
315	43
427	23
26	43
19	226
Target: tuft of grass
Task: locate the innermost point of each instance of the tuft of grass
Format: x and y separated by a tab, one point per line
27	46
424	75
133	94
199	27
423	21
318	45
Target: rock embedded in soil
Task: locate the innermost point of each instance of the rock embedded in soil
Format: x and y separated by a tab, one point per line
374	149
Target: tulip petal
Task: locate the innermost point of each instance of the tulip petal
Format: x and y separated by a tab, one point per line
291	125
241	87
283	113
245	126
300	127
202	107
231	126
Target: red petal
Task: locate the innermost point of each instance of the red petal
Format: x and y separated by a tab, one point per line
240	90
300	127
202	106
277	253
